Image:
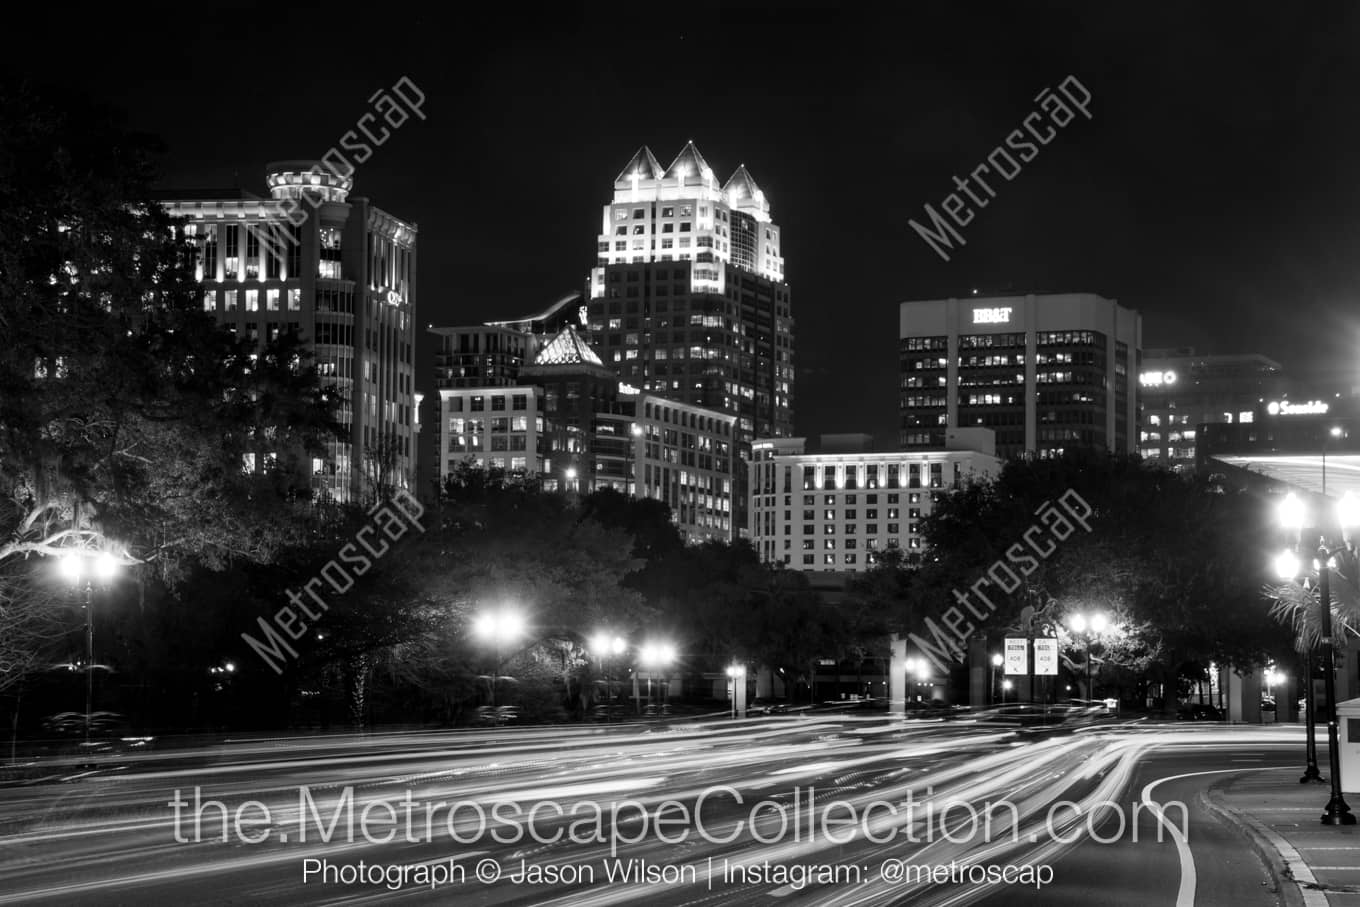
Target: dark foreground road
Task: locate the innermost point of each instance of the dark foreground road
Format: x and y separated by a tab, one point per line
797	810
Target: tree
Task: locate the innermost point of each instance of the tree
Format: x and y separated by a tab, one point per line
126	414
496	540
1178	561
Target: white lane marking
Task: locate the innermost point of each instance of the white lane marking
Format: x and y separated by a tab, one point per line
1185	894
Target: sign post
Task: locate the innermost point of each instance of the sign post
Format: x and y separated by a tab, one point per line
1017	656
1046	663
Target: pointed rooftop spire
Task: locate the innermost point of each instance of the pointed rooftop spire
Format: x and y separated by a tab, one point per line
567	348
741	185
644	164
689	163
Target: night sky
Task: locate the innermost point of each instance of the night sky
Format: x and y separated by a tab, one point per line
1214	188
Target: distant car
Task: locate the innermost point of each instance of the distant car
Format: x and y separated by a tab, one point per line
110	732
764	705
495	716
1199	711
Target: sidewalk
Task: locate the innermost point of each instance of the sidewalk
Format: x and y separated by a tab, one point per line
1282	817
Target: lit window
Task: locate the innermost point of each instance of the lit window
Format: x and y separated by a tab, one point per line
252	300
271	300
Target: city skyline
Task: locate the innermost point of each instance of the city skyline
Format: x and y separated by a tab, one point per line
403	420
1145	203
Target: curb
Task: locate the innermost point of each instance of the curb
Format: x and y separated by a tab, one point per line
1294	879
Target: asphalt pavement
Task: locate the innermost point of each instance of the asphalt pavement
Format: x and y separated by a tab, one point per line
834	810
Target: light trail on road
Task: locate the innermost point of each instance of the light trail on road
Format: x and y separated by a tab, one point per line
761	792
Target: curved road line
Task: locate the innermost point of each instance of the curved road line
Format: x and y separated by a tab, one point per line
1185	895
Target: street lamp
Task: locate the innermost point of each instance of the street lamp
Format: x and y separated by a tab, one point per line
605	644
1289	568
499	628
736	674
654	656
1005	688
1274	678
1333	432
1088	627
1294	515
84	567
997	661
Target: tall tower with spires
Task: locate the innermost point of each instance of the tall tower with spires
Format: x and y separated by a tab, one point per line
688	297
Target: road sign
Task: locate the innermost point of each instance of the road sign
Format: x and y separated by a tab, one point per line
1017	656
1046	657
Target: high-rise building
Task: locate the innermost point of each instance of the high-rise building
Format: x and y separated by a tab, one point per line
688	297
836	509
567	419
1179	391
340	271
1046	372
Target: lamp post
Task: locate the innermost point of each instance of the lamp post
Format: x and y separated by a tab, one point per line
498	627
1005	687
1089	628
997	661
1288	566
736	674
1293	515
605	644
1333	432
654	656
84	567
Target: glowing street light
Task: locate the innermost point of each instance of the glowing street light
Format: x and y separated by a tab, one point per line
736	674
81	568
603	645
1088	627
500	628
655	656
1292	512
1293	515
1287	565
997	661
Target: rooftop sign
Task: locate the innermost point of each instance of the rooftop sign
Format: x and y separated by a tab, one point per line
1000	315
1285	408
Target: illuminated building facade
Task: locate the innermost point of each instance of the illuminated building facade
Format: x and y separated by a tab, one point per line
1045	372
836	511
340	271
688	297
566	418
1179	391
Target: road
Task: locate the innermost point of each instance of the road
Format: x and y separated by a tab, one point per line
835	810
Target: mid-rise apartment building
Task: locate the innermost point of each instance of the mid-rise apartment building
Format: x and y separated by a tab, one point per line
835	510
